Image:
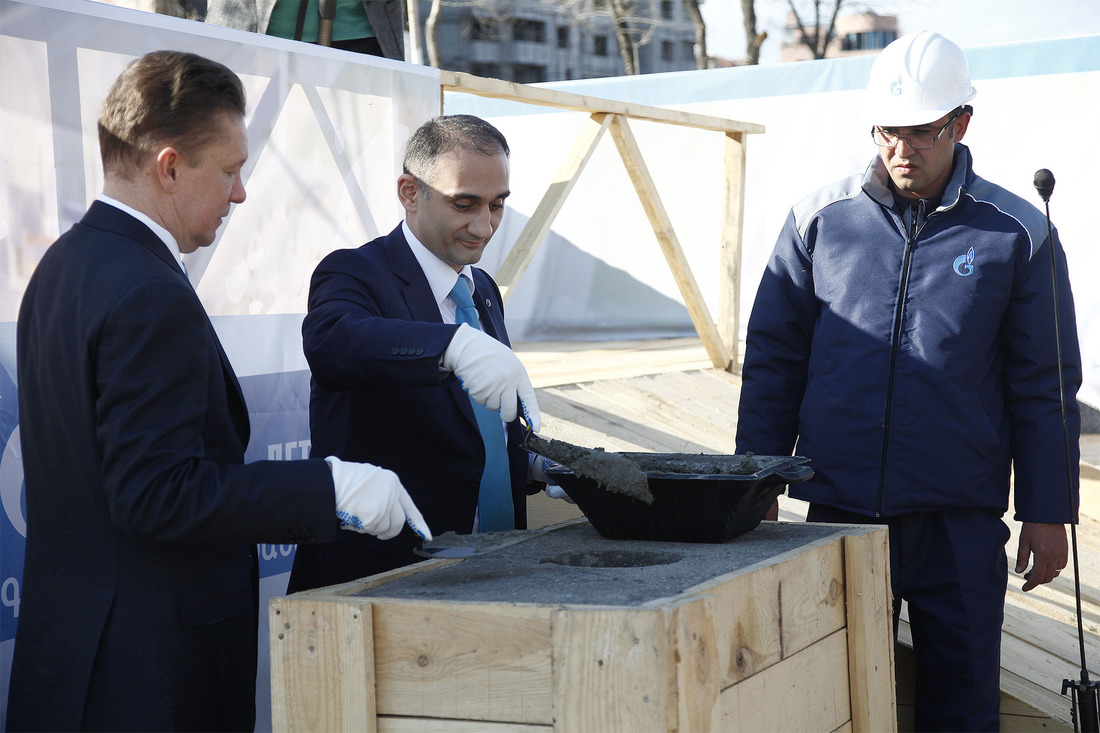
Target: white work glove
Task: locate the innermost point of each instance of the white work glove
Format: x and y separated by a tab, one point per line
539	465
556	492
492	374
371	500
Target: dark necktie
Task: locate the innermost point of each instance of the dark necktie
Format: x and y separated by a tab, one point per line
494	503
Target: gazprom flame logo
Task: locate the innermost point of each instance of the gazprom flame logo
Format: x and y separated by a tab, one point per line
895	88
964	264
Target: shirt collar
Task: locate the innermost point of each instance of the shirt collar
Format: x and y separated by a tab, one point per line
441	276
163	234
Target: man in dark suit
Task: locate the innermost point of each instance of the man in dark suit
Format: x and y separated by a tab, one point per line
390	366
139	599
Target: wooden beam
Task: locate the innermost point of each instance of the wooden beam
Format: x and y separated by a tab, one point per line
662	226
519	257
610	670
729	279
807	691
322	666
870	631
457	81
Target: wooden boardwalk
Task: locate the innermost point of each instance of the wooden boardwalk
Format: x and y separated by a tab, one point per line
664	396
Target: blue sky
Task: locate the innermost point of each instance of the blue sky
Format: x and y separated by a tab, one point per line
967	22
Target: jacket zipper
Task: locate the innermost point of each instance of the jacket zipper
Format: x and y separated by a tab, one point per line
895	345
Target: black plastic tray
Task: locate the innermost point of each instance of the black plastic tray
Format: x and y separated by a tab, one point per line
715	506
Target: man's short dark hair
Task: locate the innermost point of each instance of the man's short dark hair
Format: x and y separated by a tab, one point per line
440	135
165	97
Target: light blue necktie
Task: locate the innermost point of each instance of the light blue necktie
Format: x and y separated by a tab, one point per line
494	502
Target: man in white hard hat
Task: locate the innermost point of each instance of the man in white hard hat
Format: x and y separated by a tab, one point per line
903	337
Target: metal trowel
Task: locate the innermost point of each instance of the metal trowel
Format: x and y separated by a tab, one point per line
610	471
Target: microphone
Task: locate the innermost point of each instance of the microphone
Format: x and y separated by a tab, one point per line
1044	183
1084	693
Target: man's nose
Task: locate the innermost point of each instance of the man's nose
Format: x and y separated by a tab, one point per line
237	195
481	223
904	148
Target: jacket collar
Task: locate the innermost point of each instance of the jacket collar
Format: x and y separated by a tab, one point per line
103	216
416	291
876	180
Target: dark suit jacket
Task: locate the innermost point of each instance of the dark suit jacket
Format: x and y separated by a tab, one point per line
139	597
374	339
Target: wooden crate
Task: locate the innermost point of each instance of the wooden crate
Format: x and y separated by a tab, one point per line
793	632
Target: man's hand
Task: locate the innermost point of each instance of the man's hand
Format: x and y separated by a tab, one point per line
492	374
371	500
1047	542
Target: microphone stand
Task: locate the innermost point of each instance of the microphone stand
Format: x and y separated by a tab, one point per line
1083	692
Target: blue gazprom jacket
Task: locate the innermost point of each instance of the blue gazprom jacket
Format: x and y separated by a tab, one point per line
916	369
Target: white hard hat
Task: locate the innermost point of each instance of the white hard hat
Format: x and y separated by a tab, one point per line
915	80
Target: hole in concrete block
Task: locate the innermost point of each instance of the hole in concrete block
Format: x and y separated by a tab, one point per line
614	559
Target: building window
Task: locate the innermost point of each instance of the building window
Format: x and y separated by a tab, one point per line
689	50
533	31
869	41
528	73
666	9
490	70
667	50
600	48
483	29
563	36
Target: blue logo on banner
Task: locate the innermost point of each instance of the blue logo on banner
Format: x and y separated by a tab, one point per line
13	526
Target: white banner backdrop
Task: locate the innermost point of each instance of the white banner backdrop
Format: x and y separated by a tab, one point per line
325	130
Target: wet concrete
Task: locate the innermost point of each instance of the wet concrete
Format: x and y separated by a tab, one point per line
573	565
609	470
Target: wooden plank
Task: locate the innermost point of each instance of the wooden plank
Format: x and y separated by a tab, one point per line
698	678
322	667
555	363
609	670
646	189
1044	700
387	724
870	630
807	691
661	406
773	610
733	215
463	660
716	399
1026	628
454	81
624	429
519	257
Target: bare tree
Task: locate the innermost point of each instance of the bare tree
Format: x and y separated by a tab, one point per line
491	16
632	29
753	40
816	36
702	57
431	44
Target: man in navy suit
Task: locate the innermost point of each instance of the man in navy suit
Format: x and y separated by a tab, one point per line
393	376
140	591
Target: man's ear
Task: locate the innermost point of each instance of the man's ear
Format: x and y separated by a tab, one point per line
167	167
408	192
961	126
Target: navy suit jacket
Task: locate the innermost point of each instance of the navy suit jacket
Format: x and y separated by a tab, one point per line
139	596
374	340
